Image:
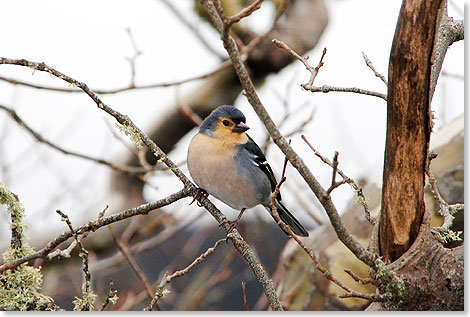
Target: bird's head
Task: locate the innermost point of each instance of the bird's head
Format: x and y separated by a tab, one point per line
225	122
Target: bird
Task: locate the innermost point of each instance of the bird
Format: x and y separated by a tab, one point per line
225	162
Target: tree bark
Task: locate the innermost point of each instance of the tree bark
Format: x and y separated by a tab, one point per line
408	127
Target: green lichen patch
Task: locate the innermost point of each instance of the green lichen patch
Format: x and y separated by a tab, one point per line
20	287
88	300
132	133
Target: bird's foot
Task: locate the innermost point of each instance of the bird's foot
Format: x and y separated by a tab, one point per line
198	194
231	225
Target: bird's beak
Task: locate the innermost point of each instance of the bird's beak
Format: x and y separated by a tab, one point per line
240	127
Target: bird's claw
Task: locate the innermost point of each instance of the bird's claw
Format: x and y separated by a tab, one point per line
198	194
232	225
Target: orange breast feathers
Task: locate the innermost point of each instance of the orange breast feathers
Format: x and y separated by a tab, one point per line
208	156
210	163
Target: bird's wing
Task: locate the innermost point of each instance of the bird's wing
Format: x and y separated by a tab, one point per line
261	162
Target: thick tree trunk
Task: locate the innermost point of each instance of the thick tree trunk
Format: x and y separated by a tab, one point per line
432	276
408	127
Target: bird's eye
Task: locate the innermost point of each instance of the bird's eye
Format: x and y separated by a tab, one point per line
225	123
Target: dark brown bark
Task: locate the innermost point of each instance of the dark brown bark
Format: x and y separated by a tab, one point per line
408	127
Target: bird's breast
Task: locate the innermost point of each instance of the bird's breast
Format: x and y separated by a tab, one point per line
211	165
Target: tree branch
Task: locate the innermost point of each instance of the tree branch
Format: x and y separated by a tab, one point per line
326	89
371	66
449	31
95	225
314	71
358	189
168	278
130	170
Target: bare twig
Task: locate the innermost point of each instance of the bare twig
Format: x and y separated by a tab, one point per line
371	66
335	169
359	279
221	67
358	189
245	303
244	52
303	124
244	13
313	70
131	170
133	264
134	57
190	26
190	114
66	252
167	278
326	89
110	298
305	205
449	31
95	225
445	209
452	75
84	255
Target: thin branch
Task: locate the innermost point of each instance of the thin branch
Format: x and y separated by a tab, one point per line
95	225
189	114
66	252
110	298
84	255
449	31
133	264
313	70
220	68
371	66
244	13
359	279
335	169
452	75
130	170
358	189
169	4
326	89
221	274
134	57
245	303
445	209
371	297
167	278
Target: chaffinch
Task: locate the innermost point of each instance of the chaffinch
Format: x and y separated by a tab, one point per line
226	163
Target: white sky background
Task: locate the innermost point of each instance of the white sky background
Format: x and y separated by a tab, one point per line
87	41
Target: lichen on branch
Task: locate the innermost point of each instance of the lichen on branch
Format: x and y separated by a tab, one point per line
20	287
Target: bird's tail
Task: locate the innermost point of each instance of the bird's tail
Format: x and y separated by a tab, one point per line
290	220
